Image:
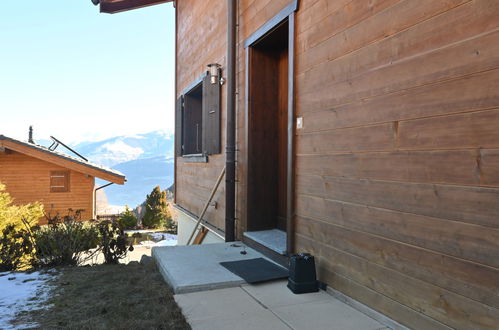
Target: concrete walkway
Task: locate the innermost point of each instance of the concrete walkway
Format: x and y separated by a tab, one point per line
211	297
270	306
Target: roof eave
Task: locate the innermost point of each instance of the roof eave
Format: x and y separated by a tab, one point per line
61	160
116	6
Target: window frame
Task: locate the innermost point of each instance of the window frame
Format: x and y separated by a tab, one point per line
210	120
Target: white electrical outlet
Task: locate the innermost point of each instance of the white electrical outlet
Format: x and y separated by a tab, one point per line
299	123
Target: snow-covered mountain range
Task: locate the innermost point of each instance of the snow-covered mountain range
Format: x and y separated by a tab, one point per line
145	159
121	149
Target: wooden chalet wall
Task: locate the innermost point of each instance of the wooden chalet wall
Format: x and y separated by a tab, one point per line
397	163
398	160
28	179
201	40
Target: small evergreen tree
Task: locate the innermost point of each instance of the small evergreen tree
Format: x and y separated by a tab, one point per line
127	219
157	214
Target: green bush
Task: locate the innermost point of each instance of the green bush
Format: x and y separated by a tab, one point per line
65	241
16	249
16	245
127	220
16	215
113	241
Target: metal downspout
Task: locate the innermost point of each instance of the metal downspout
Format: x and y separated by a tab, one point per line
230	153
95	197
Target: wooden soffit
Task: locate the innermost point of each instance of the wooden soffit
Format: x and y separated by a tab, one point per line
116	6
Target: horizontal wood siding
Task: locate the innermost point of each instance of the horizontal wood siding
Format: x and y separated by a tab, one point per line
201	40
397	162
28	180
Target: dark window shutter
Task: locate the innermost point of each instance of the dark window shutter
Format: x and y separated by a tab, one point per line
211	116
59	181
179	114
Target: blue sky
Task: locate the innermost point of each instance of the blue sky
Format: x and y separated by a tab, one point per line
80	75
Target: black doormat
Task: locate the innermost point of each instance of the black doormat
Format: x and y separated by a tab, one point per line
256	270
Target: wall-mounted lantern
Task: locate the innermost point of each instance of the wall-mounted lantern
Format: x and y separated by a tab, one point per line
214	72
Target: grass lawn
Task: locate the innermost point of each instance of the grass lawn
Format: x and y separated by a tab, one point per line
132	296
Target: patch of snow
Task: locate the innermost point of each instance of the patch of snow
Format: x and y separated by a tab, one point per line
166	243
157	238
163	236
147	243
20	292
137	231
160	239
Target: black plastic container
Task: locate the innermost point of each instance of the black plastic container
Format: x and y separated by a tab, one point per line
302	276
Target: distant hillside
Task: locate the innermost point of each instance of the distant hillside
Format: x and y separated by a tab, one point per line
142	176
145	159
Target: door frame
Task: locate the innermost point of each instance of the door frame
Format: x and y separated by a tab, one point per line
288	13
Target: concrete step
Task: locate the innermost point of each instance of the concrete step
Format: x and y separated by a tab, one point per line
197	267
273	239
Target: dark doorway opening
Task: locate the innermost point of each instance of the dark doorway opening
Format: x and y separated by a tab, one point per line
268	78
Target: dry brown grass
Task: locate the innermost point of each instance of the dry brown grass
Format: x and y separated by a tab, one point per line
131	296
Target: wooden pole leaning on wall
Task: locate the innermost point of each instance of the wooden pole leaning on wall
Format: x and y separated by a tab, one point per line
213	191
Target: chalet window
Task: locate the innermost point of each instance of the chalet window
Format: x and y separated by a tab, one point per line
193	121
59	181
197	120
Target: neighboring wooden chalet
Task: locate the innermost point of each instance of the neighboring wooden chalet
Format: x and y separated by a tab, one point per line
367	133
34	173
